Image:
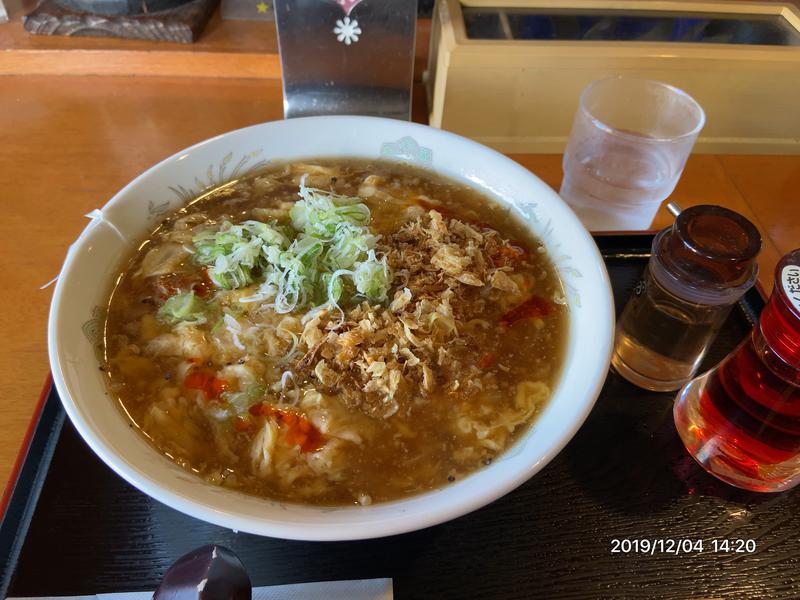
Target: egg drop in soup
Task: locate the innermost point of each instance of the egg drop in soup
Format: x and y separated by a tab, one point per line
336	332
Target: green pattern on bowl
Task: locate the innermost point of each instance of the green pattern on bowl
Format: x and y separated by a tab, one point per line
407	149
218	174
81	294
93	328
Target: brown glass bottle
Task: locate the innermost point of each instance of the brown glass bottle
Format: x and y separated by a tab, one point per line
699	268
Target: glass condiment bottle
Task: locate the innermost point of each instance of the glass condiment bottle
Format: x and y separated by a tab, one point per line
699	268
741	420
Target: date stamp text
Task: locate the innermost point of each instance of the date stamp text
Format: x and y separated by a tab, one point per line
678	546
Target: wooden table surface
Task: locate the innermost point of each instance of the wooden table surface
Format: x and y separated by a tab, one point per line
68	143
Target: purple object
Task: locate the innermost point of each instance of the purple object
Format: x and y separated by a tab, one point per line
208	573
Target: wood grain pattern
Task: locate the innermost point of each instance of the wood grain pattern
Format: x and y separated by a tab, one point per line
771	185
179	24
67	144
224	36
624	476
227	49
706	181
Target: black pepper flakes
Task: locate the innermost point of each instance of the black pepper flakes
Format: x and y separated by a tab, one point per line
451	478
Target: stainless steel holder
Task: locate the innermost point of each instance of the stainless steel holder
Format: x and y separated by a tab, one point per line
347	57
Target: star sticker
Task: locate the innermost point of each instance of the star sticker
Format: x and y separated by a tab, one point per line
262	7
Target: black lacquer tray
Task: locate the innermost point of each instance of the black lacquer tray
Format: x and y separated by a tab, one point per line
73	527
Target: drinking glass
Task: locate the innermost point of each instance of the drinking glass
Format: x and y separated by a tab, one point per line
627	149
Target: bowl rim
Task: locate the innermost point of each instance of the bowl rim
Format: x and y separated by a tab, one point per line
402	522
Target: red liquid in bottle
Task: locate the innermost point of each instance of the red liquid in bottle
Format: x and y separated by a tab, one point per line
741	421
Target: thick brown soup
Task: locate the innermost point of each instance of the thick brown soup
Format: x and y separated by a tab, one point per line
337	332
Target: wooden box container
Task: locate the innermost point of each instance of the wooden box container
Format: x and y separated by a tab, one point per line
520	95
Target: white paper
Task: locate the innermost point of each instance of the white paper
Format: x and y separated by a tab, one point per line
359	589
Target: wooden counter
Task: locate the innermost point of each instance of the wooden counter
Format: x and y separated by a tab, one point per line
226	49
68	143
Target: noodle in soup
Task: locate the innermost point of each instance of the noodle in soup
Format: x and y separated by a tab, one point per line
336	332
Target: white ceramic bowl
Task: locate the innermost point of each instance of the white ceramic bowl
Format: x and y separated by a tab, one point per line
94	261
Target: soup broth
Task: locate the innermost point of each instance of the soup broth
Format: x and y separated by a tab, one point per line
336	332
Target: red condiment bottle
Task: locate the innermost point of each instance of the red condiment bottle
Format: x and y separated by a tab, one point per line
741	420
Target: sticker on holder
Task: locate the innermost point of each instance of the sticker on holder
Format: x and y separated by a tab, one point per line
347	30
790	279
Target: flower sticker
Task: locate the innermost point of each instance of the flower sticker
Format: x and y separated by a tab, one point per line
347	30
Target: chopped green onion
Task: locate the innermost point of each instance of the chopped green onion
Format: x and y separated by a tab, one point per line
235	251
242	400
372	278
303	264
183	308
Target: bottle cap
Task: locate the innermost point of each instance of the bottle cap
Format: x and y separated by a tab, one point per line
708	255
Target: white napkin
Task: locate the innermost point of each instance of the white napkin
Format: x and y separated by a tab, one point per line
356	589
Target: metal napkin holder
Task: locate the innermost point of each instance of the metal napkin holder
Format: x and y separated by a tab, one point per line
346	57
